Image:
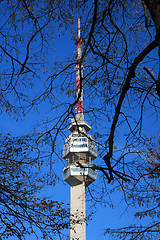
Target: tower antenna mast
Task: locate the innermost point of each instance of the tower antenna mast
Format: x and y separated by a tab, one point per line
79	72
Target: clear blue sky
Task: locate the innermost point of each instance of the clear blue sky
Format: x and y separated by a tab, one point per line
104	217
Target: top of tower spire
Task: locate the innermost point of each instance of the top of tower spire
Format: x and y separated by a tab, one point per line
79	28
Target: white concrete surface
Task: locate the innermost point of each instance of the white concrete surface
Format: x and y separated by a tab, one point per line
78	212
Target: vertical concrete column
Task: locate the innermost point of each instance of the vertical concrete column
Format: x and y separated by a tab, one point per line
78	212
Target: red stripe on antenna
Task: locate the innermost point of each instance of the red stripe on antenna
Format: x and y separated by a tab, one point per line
79	72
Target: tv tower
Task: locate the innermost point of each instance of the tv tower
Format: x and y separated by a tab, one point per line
79	150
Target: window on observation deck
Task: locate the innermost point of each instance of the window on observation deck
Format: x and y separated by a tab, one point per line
79	145
80	142
79	139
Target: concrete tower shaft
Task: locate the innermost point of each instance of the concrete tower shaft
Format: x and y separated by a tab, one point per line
78	212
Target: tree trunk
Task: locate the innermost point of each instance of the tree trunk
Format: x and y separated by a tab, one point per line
154	9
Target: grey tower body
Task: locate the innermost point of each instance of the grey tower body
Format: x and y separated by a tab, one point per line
79	150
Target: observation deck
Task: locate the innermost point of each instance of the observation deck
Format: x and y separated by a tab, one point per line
79	151
79	144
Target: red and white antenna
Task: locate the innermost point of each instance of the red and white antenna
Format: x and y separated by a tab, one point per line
79	72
